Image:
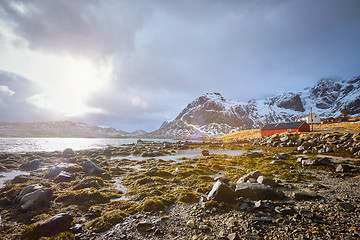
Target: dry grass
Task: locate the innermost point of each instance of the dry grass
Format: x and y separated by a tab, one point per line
351	126
256	133
241	135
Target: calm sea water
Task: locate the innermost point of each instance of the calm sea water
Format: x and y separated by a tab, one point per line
14	145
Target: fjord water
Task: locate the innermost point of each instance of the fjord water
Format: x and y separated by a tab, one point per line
21	145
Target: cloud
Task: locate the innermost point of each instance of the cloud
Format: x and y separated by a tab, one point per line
164	54
5	91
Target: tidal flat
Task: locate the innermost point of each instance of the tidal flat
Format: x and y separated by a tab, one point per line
183	190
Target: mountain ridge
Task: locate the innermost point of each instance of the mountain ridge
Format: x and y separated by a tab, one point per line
62	129
212	115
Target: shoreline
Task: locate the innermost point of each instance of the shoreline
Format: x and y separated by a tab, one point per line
167	199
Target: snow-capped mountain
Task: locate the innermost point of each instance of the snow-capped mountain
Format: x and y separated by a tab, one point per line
60	129
212	115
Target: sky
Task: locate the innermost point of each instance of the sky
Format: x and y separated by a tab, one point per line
133	64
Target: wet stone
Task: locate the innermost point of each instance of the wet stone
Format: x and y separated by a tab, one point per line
68	152
33	200
53	172
33	165
92	168
59	223
29	189
64	177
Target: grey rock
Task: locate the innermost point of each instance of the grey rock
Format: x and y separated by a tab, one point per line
59	223
253	174
64	177
257	191
29	189
224	179
35	199
53	172
68	152
308	162
92	168
267	181
304	195
221	193
33	165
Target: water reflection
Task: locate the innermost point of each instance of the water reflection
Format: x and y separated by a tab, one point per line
12	145
192	153
9	176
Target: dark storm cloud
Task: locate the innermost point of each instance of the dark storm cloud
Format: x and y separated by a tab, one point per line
170	52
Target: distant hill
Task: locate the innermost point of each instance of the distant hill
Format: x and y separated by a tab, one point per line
61	129
212	115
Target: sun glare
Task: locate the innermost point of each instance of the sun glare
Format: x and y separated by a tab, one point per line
76	81
66	82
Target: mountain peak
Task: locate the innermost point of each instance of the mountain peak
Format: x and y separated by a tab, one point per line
212	115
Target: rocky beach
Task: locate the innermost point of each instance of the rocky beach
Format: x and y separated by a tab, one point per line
288	186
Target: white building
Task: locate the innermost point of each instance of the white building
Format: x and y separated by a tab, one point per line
307	118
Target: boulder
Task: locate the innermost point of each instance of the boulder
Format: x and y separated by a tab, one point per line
68	152
29	189
92	168
57	224
33	165
54	171
64	177
107	152
267	181
253	174
258	191
221	193
305	195
35	199
223	178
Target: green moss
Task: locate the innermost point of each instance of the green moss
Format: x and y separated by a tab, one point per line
83	197
106	221
188	197
152	205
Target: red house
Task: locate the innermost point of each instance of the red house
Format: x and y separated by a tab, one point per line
329	120
271	129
